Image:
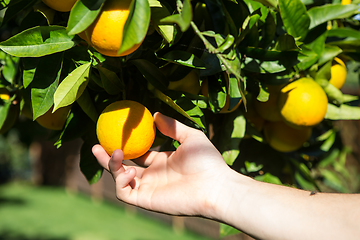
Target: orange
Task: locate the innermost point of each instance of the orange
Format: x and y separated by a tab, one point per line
105	34
345	2
269	110
338	73
56	120
284	138
190	83
60	5
126	125
302	103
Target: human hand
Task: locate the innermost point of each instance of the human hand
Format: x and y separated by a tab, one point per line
183	182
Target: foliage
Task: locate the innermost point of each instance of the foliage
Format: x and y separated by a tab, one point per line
238	47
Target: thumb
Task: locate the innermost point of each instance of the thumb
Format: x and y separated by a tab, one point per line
173	128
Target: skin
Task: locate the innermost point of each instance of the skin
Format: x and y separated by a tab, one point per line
195	181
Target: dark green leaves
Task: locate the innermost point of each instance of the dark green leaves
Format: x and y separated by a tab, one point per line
183	18
295	17
38	41
82	15
136	26
324	13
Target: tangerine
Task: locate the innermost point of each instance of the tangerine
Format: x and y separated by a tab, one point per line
338	73
61	6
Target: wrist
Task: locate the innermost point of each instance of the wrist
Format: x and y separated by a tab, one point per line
225	194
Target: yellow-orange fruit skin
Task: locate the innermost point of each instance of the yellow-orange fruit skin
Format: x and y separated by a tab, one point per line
56	120
303	103
106	33
60	5
126	125
338	73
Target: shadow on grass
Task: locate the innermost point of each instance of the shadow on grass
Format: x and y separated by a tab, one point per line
11	201
8	235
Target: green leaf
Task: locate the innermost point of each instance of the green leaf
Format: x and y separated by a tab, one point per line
333	181
184	58
38	41
231	136
87	105
269	3
252	167
269	178
15	7
136	25
89	166
45	82
285	42
191	110
71	88
295	17
83	13
226	230
166	99
112	84
324	13
183	19
329	53
158	12
343	112
29	68
344	32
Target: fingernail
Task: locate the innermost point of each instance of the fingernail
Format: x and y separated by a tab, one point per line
127	170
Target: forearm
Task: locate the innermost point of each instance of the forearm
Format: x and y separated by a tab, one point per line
269	211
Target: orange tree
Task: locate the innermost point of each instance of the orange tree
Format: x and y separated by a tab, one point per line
51	59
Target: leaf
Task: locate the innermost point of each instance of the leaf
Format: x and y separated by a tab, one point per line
343	112
270	3
183	19
322	14
29	68
38	41
16	7
136	25
226	230
71	88
87	105
295	17
344	32
191	110
184	58
152	73
231	137
173	105
83	13
269	178
112	84
45	82
252	167
158	12
89	166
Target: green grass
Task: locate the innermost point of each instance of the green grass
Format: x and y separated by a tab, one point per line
44	213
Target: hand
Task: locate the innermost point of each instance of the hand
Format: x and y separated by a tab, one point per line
183	182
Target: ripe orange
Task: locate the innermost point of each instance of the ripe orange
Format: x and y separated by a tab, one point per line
56	120
190	83
105	34
302	103
345	2
269	110
338	73
126	125
60	5
284	138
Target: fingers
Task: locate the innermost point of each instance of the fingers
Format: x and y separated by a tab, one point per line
172	128
148	158
101	155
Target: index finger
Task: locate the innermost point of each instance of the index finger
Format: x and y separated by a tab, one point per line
101	155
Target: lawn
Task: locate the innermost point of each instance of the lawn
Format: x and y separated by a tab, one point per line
43	213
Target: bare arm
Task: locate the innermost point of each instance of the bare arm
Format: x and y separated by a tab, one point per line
195	181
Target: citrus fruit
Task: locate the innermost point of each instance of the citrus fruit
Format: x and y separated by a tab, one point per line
190	83
302	103
56	120
269	110
4	94
105	34
60	5
338	73
126	125
345	2
285	138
